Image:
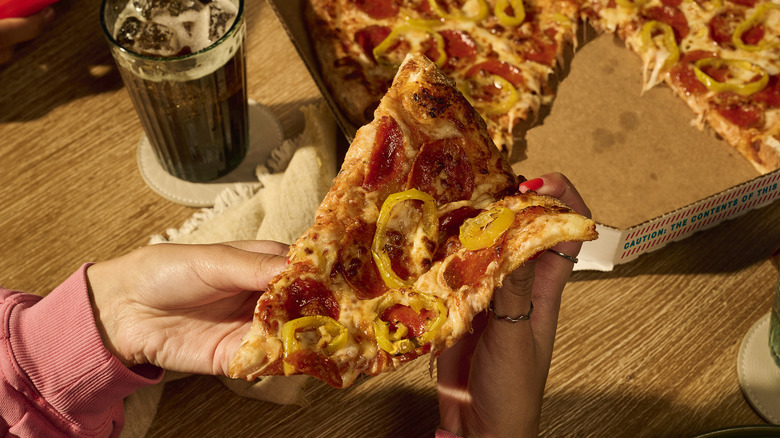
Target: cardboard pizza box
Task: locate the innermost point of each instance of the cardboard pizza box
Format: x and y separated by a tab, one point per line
648	172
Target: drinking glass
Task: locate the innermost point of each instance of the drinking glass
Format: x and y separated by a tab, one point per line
191	101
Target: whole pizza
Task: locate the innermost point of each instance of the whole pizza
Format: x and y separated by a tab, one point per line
722	57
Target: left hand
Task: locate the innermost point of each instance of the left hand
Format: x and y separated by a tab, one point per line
182	307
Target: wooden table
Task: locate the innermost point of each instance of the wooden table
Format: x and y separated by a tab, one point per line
648	349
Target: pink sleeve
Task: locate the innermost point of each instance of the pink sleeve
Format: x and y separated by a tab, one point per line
56	377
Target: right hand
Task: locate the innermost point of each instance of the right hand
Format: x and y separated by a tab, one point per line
17	30
491	382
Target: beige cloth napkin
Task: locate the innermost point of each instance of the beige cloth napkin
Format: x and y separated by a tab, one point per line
279	207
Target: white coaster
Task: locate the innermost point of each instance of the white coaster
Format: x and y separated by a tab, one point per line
265	135
759	376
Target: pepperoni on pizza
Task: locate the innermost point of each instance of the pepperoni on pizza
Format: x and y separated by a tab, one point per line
422	223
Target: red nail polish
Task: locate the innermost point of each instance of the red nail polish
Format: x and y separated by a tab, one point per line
531	185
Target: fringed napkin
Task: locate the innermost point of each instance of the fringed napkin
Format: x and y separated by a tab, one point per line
281	207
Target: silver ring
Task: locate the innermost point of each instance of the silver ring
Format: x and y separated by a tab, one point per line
566	256
525	317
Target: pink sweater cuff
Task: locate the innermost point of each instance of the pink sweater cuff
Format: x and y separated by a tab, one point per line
59	355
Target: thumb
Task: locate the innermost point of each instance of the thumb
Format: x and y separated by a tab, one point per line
230	269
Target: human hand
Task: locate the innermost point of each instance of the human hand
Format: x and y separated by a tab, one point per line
182	307
491	383
16	30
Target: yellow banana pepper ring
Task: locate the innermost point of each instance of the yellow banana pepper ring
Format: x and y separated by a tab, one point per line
508	99
392	343
758	16
484	230
479	15
432	327
430	227
508	20
290	343
734	86
406	30
396	342
666	40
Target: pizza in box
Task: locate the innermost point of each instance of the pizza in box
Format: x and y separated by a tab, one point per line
722	57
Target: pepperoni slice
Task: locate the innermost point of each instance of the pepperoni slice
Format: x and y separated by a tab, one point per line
357	265
770	95
387	156
449	223
504	69
683	76
722	26
415	322
449	229
378	9
317	365
469	269
430	49
671	16
443	170
543	47
306	296
458	44
738	111
370	37
754	35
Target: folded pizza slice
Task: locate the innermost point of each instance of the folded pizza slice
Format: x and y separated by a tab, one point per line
422	224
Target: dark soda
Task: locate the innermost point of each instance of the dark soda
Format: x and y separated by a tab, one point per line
186	80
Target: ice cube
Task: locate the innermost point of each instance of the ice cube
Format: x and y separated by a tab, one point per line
220	21
185	6
156	40
150	9
128	32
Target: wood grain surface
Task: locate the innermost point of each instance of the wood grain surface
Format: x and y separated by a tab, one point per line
647	350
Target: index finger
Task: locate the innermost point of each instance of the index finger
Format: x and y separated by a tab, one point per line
558	186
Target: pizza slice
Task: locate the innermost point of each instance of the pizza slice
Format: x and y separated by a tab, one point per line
422	223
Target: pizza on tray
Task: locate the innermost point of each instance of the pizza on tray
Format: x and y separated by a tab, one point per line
422	223
722	57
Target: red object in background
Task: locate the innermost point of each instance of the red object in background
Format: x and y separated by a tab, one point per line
22	8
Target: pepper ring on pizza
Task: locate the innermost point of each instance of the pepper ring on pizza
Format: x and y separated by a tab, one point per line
422	223
722	57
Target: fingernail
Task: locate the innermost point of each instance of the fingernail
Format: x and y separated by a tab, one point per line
531	185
